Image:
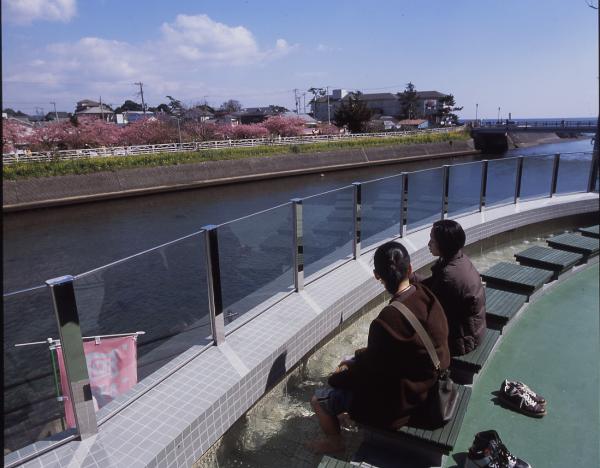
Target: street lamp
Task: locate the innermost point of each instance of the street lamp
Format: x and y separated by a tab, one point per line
328	108
498	115
179	130
476	109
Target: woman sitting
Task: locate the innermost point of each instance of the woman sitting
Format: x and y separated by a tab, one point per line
457	284
387	383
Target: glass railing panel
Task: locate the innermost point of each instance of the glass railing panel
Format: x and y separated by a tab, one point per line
380	215
31	409
328	223
162	292
501	182
573	172
464	188
256	262
536	177
424	205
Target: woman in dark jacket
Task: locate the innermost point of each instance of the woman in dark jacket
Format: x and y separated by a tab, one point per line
388	382
457	285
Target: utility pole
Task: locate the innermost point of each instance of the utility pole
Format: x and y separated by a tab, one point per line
55	113
141	93
297	100
304	101
328	108
101	108
476	109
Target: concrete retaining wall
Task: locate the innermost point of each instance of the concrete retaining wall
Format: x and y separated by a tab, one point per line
49	191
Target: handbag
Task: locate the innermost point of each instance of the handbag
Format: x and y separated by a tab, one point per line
443	396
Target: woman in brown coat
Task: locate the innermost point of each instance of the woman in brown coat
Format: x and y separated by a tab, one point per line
388	382
457	285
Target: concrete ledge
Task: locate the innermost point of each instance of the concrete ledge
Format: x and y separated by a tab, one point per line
63	190
174	423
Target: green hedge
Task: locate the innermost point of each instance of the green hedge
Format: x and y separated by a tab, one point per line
22	170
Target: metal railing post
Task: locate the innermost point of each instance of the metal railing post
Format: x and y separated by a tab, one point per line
483	188
213	276
518	179
403	202
593	172
554	180
298	244
445	180
65	309
357	218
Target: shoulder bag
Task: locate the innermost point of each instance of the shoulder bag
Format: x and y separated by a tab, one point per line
443	395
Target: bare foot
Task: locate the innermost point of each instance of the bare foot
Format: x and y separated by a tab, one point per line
328	445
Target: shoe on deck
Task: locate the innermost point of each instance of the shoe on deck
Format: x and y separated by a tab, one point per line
488	451
519	398
521	386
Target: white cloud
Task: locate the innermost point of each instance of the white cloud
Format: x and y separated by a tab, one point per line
199	38
170	63
27	11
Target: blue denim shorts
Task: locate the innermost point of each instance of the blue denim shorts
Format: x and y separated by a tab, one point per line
334	401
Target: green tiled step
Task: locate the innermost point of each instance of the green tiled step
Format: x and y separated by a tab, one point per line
587	246
443	438
548	258
516	277
475	360
501	305
591	231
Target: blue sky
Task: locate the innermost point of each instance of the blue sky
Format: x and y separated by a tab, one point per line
533	58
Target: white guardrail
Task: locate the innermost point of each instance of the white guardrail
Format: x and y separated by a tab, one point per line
24	156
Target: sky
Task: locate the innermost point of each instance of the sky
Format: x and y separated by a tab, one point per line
532	58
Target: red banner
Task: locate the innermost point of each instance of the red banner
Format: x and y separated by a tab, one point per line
112	368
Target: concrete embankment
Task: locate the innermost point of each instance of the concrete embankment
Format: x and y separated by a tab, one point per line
525	140
62	190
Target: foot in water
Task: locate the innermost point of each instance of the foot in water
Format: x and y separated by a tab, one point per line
327	445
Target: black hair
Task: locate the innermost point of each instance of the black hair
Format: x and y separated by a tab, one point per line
449	236
391	265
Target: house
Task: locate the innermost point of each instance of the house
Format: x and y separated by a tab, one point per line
232	119
413	124
57	116
92	109
252	115
429	104
310	124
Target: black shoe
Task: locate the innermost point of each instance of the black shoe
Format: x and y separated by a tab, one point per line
488	451
521	386
521	399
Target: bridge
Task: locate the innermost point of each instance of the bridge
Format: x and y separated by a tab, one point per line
570	126
493	137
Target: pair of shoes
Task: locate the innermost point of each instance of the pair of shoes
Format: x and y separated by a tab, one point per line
522	398
488	451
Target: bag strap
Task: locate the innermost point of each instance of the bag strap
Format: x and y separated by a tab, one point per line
414	321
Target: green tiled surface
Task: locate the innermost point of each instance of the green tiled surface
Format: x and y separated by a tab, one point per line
548	258
444	437
591	231
475	360
518	276
503	304
575	243
554	349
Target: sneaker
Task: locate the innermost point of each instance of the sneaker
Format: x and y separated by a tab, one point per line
488	451
520	385
521	400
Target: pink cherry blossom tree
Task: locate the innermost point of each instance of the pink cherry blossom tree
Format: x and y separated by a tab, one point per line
284	126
